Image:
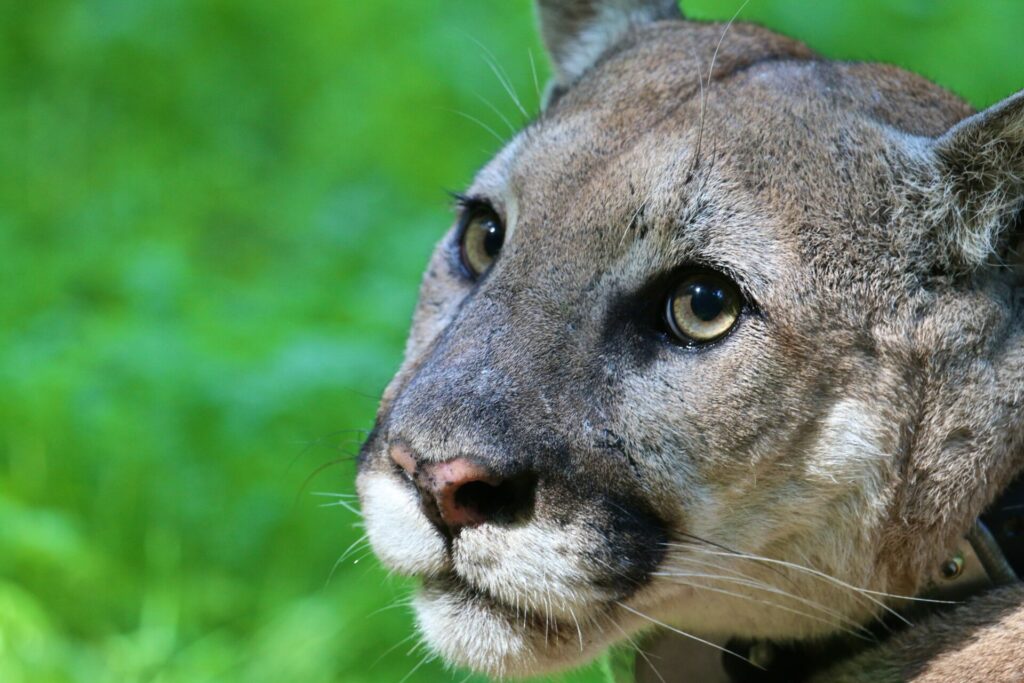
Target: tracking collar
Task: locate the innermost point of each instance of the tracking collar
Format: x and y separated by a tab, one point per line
990	555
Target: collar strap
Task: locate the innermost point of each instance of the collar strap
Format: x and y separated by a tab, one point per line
1005	521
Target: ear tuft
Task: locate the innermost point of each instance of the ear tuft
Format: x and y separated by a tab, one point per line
981	184
577	32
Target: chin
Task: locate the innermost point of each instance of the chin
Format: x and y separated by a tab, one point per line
471	630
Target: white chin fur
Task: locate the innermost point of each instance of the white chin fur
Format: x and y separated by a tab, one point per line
467	632
401	536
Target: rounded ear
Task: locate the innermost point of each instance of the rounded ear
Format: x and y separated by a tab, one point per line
980	196
577	32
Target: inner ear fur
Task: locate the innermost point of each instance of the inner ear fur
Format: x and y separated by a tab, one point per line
980	193
577	32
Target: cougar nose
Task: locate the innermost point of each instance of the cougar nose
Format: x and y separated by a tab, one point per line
461	492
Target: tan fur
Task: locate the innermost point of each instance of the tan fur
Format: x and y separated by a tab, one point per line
980	641
861	414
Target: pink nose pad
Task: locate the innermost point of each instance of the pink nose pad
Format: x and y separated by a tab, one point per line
460	492
459	488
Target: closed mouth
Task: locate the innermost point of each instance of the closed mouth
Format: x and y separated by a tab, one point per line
529	617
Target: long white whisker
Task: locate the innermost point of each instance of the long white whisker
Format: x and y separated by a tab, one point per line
813	572
756	584
423	661
685	634
345	504
632	219
533	70
732	553
394	605
357	544
504	119
368	553
479	123
639	650
676	578
721	39
502	77
774	588
391	649
700	125
579	631
827	577
420	644
705	89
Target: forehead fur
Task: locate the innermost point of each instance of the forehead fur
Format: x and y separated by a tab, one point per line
775	156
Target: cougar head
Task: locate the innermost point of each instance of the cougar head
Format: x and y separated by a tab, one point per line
728	338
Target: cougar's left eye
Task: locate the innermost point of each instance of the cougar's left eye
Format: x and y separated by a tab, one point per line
703	307
480	240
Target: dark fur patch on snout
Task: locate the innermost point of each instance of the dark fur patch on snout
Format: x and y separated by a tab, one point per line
635	544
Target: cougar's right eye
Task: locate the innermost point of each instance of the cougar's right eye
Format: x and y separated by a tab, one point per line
480	239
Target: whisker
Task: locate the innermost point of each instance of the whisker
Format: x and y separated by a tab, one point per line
368	553
860	635
638	649
504	119
345	504
318	470
500	74
721	38
814	572
632	219
330	435
704	90
394	605
730	551
479	123
423	661
579	631
364	539
533	70
755	584
695	159
547	614
394	647
685	634
309	444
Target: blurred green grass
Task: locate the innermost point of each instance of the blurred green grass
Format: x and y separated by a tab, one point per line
213	217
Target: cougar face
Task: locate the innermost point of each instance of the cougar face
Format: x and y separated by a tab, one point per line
722	340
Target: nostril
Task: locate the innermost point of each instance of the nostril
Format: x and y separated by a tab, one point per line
507	501
464	492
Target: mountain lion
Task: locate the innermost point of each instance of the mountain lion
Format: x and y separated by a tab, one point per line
729	342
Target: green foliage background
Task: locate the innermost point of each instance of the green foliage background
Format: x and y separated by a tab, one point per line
213	217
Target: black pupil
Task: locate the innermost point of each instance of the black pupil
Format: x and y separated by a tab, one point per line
706	301
493	238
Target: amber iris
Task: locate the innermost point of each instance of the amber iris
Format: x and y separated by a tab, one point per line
482	238
703	308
